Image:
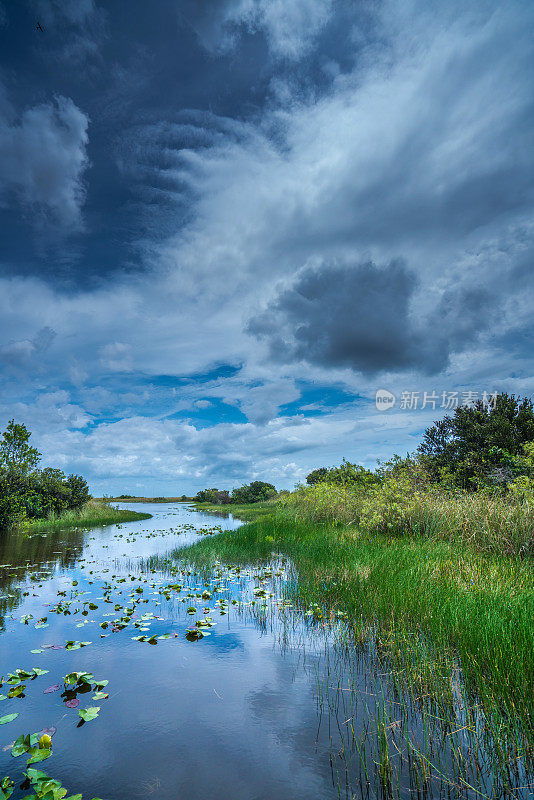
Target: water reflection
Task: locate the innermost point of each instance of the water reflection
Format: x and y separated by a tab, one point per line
273	703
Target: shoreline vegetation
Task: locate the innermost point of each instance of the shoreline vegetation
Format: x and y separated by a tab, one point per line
451	626
477	602
429	560
126	498
93	514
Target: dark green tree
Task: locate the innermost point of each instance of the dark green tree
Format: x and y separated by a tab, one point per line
30	493
480	443
206	496
17	457
319	475
79	491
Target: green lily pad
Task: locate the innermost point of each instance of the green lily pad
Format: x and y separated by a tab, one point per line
8	718
39	754
90	713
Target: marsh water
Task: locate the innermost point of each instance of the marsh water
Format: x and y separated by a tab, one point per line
243	698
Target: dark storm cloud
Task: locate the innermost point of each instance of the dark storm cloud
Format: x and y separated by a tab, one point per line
358	316
243	150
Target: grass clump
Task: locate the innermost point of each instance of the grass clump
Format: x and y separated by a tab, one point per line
92	514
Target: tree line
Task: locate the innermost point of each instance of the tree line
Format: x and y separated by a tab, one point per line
27	492
480	447
253	492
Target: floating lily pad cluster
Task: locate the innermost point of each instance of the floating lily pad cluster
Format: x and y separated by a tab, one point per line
110	602
42	786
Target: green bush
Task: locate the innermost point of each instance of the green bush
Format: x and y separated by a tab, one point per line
347	474
254	492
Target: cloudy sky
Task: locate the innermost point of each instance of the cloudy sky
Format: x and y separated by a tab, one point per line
225	224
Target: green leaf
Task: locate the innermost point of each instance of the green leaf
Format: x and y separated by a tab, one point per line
39	754
36	774
21	745
90	713
16	691
6	788
8	718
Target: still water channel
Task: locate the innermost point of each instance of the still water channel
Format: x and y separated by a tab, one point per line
265	706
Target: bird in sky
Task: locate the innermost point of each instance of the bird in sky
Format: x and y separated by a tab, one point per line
38	27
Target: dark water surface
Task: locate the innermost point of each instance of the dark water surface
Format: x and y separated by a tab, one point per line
272	703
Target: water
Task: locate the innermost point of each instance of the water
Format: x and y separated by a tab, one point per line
269	705
229	716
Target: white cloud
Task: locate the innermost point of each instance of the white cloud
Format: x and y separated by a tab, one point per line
116	357
42	161
290	26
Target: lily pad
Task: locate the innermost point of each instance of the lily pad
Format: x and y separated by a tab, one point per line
8	718
89	713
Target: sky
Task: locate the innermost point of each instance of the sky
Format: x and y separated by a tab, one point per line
225	225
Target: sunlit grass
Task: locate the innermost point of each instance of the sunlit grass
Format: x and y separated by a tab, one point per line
479	604
496	524
93	513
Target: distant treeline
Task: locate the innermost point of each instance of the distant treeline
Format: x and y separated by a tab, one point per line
480	448
248	493
27	492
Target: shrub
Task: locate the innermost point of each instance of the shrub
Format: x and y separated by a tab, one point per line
253	492
347	474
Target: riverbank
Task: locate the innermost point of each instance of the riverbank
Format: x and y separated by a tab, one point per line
92	514
471	607
245	512
131	499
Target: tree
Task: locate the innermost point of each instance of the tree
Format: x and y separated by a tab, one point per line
206	496
319	475
253	492
79	491
478	444
30	493
17	457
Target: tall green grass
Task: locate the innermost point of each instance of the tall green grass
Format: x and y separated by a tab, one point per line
93	513
495	524
439	589
450	626
479	604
